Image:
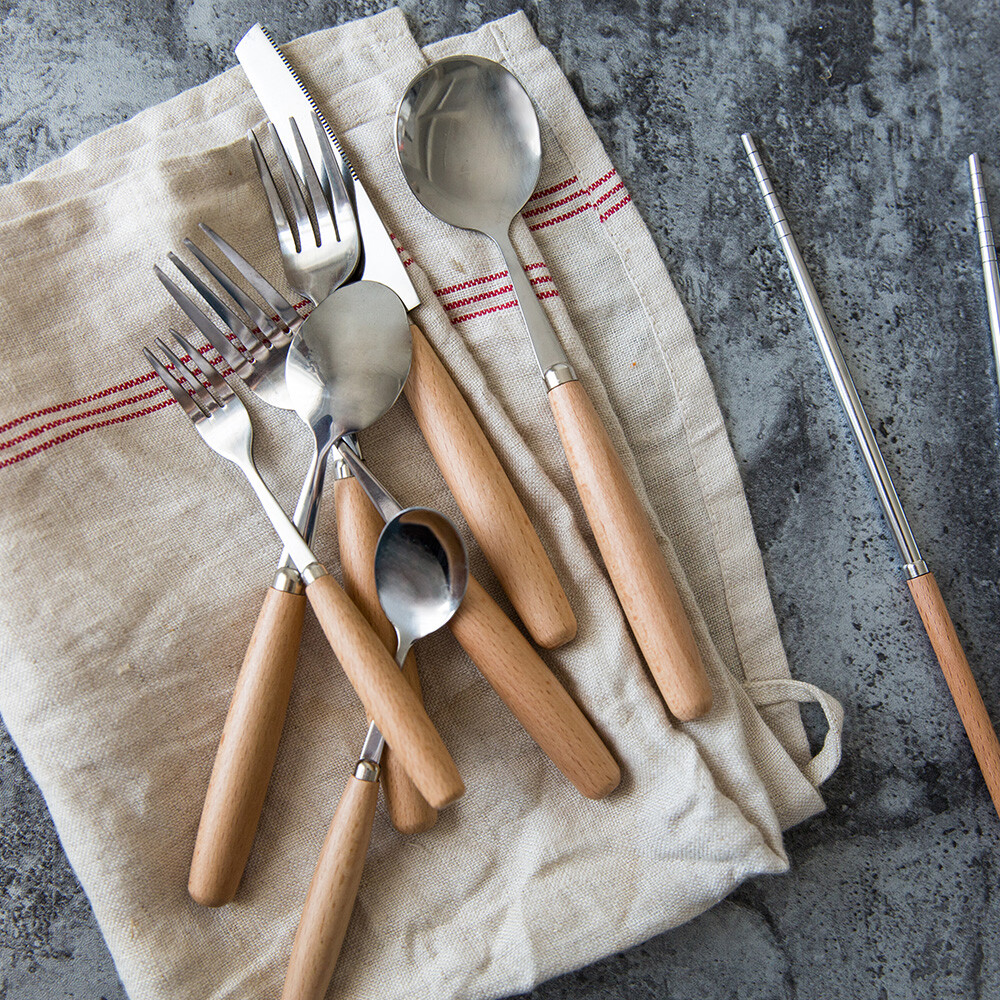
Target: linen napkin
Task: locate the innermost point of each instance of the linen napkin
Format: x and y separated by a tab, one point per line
136	562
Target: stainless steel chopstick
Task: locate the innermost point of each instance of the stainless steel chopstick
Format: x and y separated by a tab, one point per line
988	252
923	587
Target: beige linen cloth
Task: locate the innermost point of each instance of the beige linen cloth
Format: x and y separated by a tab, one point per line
136	561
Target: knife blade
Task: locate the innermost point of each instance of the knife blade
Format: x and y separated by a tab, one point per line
283	95
461	449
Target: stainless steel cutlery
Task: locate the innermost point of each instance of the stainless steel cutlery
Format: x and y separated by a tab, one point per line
221	419
920	580
462	451
469	145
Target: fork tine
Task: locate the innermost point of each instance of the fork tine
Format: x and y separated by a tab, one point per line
281	224
189	405
342	205
247	339
223	390
237	361
302	220
261	321
324	218
283	309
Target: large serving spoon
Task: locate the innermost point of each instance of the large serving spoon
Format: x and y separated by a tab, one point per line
421	572
470	148
319	367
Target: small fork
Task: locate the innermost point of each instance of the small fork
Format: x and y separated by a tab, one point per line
224	424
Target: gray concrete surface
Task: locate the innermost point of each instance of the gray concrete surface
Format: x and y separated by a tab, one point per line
867	112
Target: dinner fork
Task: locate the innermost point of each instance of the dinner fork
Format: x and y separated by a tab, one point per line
224	424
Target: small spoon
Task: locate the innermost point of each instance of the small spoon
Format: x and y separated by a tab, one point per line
469	146
421	572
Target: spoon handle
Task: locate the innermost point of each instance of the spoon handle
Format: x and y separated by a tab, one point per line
487	499
633	558
533	693
332	892
358	528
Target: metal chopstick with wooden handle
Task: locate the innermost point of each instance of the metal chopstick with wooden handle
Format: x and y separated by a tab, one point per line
923	587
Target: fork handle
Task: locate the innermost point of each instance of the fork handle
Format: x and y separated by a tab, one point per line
332	892
533	693
487	499
395	707
247	750
358	530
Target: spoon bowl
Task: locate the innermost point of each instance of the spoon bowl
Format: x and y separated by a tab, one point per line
421	572
348	362
468	141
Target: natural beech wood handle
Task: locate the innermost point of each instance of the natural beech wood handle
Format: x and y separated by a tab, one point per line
531	691
247	750
631	554
487	499
384	692
334	888
358	528
961	683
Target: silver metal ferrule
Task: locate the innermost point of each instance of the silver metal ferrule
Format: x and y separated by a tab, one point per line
367	770
558	374
313	572
287	579
341	470
837	367
915	569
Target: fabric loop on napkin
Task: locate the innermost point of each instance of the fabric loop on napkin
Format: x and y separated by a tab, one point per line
116	674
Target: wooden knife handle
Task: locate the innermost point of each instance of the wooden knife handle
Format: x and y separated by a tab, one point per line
358	528
247	750
961	683
486	497
631	554
531	691
385	693
332	893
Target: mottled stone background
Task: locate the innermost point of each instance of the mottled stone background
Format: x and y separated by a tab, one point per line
866	112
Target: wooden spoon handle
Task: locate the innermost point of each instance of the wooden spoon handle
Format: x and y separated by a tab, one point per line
358	528
246	754
487	499
332	893
961	683
384	692
634	561
531	691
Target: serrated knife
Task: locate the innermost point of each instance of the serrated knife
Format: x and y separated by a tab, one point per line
468	463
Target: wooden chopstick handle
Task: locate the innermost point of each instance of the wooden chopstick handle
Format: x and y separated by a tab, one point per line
247	750
631	554
487	499
358	528
961	683
332	893
385	693
533	693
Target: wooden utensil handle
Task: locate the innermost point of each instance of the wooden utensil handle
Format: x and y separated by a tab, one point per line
961	683
531	691
384	692
487	499
332	893
247	750
358	528
633	558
